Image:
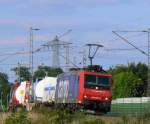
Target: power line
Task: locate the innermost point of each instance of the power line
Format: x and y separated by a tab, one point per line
124	39
70	61
122	49
136	35
16	53
10	55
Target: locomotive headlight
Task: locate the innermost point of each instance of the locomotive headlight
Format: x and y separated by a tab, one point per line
96	88
106	98
85	96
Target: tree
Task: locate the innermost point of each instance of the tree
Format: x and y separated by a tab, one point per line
42	71
22	72
129	80
118	69
4	87
126	85
54	72
140	70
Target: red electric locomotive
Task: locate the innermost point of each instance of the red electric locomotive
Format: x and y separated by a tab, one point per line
87	88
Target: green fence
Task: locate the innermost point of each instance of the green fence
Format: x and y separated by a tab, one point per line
130	106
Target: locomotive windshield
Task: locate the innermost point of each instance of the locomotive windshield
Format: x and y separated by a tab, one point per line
99	81
103	80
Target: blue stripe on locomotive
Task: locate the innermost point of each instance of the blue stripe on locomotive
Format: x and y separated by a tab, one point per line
66	88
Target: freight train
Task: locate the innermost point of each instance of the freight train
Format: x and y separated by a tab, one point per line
88	88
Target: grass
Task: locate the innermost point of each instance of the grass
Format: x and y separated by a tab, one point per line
18	118
44	115
77	118
55	116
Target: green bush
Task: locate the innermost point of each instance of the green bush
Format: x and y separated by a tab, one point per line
63	117
17	118
56	116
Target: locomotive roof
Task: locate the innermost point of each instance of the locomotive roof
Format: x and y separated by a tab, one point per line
70	73
77	72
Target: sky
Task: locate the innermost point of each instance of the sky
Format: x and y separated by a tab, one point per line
91	21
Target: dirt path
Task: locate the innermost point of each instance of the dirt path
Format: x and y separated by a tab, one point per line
3	116
110	118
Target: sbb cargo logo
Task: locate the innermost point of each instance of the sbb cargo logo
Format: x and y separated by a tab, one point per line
63	89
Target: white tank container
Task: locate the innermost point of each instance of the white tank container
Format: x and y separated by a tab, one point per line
45	89
20	93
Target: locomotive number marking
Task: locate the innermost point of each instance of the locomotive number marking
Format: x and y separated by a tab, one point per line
63	89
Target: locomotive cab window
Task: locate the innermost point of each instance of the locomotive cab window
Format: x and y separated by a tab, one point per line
103	80
98	81
90	79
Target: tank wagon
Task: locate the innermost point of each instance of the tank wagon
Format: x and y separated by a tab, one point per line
19	95
86	89
44	90
27	94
